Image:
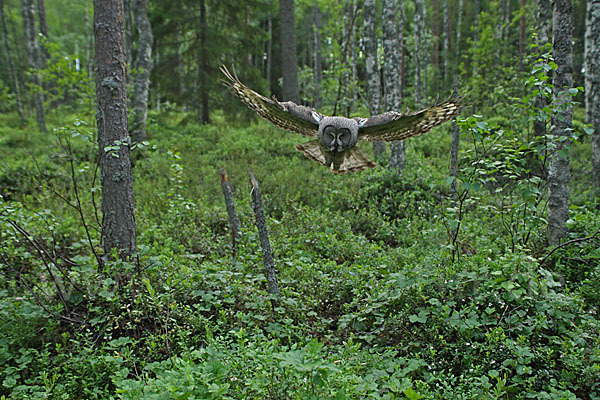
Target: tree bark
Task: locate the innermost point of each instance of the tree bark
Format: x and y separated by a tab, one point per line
143	65
317	70
374	90
261	225
592	82
289	63
128	21
558	167
44	55
205	112
417	53
269	46
446	48
11	65
234	221
118	208
32	47
543	18
392	49
455	128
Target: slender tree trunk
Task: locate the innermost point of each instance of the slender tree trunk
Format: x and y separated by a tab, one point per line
44	55
543	20
417	53
558	167
31	44
424	53
392	49
205	117
455	128
374	89
522	33
118	207
156	63
592	82
88	50
261	225
128	21
289	63
143	65
180	66
269	46
317	69
11	65
446	48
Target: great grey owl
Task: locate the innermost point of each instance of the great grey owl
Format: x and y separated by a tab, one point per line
335	146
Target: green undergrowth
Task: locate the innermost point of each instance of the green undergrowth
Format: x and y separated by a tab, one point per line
388	290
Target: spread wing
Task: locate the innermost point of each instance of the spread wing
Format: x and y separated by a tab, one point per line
392	126
287	115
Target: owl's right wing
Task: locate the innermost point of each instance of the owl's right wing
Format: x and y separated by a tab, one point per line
287	115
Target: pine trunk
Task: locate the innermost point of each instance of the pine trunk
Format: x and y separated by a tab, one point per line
417	53
11	65
592	82
205	112
289	63
370	43
32	47
317	70
118	207
143	65
558	167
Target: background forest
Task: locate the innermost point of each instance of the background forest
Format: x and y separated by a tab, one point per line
466	265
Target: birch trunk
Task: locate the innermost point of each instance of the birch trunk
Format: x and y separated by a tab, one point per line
143	65
558	167
370	42
289	63
391	74
11	65
32	47
118	207
592	82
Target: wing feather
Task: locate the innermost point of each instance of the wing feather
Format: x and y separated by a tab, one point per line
354	159
392	126
287	115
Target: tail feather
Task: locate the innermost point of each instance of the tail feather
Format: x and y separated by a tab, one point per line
353	159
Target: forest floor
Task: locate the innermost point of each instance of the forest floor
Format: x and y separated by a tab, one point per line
389	289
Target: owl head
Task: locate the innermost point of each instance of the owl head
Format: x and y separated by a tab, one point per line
337	134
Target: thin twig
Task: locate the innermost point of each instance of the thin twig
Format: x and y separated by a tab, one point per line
595	235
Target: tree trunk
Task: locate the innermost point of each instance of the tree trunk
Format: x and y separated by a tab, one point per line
44	55
592	82
205	115
128	21
261	225
156	63
558	167
143	65
370	43
180	66
392	48
424	53
118	208
269	47
289	63
455	128
11	65
543	19
317	69
417	53
31	45
522	33
446	48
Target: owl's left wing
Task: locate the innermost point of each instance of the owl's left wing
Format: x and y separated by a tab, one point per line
287	115
392	126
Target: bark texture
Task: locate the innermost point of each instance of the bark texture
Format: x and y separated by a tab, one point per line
543	18
392	49
370	43
234	221
118	209
318	69
592	82
11	65
143	65
289	63
558	166
261	225
417	53
44	55
33	56
455	128
204	112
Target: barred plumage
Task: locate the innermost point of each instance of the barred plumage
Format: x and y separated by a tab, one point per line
337	136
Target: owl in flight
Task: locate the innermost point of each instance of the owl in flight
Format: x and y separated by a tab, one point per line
336	137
